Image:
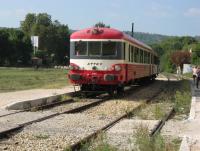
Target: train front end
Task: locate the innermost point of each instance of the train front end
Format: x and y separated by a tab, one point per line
96	62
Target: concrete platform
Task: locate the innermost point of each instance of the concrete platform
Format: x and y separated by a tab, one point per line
188	129
30	98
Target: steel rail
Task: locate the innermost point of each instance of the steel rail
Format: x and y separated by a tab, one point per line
161	123
77	146
8	131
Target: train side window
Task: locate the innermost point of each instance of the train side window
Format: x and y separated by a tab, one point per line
129	54
145	58
136	55
152	59
148	57
132	54
124	51
141	56
80	48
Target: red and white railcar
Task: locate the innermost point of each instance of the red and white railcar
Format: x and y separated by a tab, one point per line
108	59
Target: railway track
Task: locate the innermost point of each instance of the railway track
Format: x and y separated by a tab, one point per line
6	133
51	105
161	123
42	107
77	146
81	108
57	103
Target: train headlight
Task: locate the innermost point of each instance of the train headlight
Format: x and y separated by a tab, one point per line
117	68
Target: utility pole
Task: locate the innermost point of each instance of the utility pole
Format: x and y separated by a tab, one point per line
132	30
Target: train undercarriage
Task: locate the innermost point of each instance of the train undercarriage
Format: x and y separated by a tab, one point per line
115	88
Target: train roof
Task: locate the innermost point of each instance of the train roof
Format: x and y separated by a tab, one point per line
106	33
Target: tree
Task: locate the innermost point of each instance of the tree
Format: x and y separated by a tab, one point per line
53	36
158	49
165	63
5	46
28	23
168	46
180	57
101	24
15	48
196	54
43	19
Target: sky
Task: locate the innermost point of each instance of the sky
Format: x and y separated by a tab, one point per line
167	17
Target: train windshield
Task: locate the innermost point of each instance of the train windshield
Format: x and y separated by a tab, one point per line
80	49
109	48
96	49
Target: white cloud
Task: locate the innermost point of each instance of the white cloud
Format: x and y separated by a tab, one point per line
193	12
158	10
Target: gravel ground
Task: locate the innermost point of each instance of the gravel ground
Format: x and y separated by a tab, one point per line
116	107
112	109
53	134
58	132
19	118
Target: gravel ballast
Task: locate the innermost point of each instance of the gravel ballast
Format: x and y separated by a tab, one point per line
59	132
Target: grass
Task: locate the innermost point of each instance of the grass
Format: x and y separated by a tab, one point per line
98	144
177	94
188	75
154	111
182	99
13	79
158	112
143	142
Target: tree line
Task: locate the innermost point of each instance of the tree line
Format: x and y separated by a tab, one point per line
176	51
54	44
16	48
